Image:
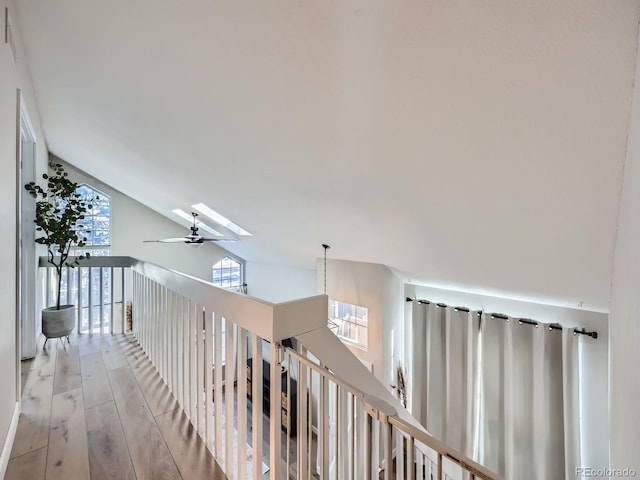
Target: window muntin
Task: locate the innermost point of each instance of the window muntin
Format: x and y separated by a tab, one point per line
228	273
96	226
350	323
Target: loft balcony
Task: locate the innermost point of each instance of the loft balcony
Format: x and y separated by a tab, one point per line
144	398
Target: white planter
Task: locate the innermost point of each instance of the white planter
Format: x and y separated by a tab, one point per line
58	323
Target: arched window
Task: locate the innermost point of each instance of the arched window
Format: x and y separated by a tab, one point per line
97	222
86	282
229	273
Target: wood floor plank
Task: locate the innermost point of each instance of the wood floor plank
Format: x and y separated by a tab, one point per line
68	456
25	368
149	453
108	454
67	375
158	396
33	425
114	425
113	356
95	382
29	466
88	344
192	456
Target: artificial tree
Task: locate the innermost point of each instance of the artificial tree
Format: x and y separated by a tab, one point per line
59	209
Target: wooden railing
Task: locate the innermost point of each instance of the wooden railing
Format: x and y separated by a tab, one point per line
96	288
361	436
339	421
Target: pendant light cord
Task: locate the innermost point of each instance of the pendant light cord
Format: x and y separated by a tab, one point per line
330	323
326	247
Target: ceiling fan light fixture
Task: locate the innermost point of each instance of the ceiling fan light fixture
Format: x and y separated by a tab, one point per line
193	239
221	219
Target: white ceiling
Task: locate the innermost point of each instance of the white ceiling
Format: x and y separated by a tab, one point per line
473	144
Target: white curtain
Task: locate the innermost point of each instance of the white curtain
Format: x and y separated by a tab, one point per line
501	392
444	381
571	401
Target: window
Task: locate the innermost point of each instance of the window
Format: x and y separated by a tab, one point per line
96	227
229	273
350	323
97	222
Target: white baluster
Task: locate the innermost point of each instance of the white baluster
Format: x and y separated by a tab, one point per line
217	399
101	297
302	418
200	372
256	405
208	374
193	364
242	403
275	415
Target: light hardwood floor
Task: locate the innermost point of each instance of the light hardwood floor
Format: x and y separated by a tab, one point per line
97	409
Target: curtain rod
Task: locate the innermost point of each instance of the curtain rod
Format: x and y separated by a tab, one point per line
521	321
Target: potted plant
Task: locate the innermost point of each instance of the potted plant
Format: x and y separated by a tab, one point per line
59	211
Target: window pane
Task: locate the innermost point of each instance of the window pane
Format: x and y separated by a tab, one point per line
350	323
227	273
96	228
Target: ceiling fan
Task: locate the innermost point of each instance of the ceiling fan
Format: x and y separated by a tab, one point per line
194	238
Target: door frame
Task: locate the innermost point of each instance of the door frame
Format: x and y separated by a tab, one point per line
26	267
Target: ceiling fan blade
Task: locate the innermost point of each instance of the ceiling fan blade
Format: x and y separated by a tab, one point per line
193	238
222	240
168	240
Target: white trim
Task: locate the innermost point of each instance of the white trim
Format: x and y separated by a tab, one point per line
25	120
25	255
97	190
8	442
241	262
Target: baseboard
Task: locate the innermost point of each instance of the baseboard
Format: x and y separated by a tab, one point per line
8	442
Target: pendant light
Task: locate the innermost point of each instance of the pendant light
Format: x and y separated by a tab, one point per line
333	326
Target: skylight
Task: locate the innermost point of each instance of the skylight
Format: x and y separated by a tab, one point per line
199	224
221	219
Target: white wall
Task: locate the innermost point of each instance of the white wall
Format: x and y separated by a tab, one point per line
594	374
11	79
373	286
277	283
132	222
624	351
393	331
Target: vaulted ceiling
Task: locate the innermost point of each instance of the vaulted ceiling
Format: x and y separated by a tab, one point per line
471	144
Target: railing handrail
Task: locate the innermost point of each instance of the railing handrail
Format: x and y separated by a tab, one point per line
419	435
251	313
274	322
323	371
455	456
96	261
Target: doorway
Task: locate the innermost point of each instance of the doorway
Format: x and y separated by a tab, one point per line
27	268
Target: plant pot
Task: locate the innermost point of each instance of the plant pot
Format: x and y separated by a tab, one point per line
58	323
